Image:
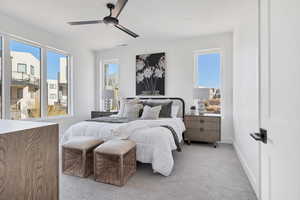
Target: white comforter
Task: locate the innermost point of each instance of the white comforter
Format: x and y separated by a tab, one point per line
154	143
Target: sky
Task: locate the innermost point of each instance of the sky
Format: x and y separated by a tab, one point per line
209	70
52	58
113	68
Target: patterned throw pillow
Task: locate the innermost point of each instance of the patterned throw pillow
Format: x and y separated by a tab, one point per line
151	112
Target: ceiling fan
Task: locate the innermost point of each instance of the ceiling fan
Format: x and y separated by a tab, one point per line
111	19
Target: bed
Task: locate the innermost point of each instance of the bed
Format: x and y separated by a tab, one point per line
155	143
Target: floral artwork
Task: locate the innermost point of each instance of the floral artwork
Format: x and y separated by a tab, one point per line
150	74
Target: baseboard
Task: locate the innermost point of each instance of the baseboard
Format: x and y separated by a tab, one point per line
226	142
246	168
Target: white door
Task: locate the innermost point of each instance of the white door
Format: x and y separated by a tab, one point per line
280	99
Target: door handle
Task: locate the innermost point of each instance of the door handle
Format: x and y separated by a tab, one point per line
261	136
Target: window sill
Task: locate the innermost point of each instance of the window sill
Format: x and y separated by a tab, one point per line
48	118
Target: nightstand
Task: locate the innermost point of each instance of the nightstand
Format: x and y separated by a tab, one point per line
203	128
95	114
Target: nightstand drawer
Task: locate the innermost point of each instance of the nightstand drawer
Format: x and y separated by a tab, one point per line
208	125
203	119
202	135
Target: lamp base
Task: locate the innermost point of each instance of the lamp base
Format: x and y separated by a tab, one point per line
201	107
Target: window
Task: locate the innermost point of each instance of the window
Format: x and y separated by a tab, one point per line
1	77
57	78
32	70
111	81
26	96
22	68
23	105
208	71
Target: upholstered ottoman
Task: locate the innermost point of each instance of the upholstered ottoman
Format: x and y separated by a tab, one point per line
78	157
115	161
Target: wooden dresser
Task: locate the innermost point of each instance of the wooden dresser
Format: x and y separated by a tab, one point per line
202	128
28	160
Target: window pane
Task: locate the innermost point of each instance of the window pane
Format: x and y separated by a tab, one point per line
208	76
25	87
0	77
57	81
21	68
111	82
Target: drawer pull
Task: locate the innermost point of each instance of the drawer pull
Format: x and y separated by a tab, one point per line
201	129
201	121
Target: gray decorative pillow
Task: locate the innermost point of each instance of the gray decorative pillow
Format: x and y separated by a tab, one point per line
151	112
166	107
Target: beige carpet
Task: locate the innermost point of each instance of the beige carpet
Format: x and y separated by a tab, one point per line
200	173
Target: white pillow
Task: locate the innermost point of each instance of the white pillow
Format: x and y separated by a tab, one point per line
124	101
174	111
151	112
132	110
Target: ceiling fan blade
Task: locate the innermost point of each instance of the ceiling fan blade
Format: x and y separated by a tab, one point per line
118	8
129	32
85	22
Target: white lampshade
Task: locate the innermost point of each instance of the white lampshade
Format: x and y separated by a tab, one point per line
108	94
201	93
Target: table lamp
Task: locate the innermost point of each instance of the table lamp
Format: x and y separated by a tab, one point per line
201	94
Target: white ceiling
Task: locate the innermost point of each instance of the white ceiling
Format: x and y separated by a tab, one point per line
151	19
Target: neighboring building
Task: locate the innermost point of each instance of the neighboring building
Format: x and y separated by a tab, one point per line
112	83
25	84
52	92
63	82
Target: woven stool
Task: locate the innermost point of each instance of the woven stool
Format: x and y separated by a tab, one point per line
77	156
115	161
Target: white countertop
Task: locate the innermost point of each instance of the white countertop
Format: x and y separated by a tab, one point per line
8	126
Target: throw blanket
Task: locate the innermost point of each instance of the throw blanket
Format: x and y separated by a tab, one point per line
175	136
111	119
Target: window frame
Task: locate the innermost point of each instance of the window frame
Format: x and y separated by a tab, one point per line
210	51
7	73
70	110
2	76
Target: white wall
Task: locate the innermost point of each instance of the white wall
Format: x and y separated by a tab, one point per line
245	93
83	65
179	70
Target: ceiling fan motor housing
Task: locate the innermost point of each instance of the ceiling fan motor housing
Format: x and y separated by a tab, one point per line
110	20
